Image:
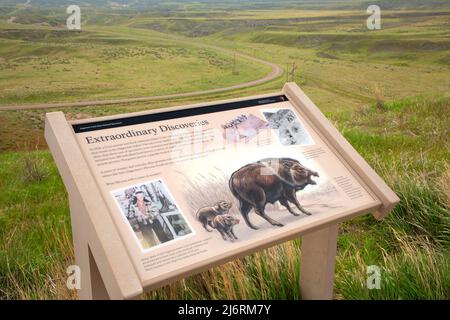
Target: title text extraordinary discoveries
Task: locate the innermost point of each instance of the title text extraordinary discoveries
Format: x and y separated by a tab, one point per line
151	131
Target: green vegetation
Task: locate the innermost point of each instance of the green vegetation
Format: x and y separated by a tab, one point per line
45	65
386	90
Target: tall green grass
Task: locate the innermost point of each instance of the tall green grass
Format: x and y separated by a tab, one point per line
35	236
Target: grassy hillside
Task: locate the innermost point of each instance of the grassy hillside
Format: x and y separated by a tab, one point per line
386	91
54	65
211	5
339	62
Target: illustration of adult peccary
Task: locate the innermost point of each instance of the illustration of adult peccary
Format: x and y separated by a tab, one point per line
268	181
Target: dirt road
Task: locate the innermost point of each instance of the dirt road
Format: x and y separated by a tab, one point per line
275	72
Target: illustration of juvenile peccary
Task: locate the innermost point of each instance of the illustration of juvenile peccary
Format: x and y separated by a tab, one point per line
268	181
224	224
206	215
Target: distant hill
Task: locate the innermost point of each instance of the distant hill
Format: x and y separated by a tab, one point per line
220	4
161	3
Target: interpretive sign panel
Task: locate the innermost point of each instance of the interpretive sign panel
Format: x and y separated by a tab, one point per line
193	187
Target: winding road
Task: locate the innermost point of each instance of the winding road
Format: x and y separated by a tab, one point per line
275	72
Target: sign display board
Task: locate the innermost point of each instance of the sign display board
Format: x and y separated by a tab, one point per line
193	187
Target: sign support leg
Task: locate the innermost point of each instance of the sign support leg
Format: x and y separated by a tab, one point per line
318	259
91	282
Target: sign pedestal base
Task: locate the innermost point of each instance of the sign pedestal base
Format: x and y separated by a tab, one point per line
92	286
318	259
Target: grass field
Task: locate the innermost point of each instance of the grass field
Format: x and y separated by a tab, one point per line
54	65
386	91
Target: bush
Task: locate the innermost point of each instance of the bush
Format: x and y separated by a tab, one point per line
33	168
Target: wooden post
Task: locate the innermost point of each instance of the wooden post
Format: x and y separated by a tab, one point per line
92	286
318	259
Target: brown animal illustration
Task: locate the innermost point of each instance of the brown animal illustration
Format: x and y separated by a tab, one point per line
224	224
206	215
268	181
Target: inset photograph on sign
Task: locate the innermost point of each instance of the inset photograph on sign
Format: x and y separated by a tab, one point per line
152	213
243	128
288	127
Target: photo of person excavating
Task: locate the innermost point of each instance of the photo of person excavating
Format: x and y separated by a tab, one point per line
145	213
152	214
